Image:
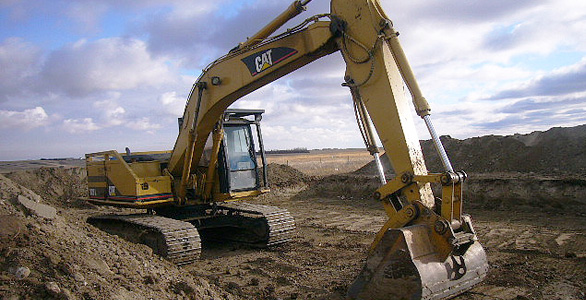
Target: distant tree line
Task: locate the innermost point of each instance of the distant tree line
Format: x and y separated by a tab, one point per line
288	151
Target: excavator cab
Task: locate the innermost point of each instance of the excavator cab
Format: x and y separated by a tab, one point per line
233	164
238	166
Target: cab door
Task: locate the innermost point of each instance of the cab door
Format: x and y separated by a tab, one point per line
240	158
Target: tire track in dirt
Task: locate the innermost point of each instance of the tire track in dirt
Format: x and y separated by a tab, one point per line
339	220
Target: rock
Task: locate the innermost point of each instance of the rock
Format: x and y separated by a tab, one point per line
37	209
22	272
10	226
179	287
233	286
149	279
52	288
254	281
78	277
66	294
570	254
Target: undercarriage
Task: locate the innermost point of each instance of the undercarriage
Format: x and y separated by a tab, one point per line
176	233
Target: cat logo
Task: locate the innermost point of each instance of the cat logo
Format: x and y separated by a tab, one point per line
261	61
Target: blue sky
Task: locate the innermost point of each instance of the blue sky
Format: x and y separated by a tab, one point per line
85	76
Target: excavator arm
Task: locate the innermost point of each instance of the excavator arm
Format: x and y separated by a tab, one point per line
259	61
423	251
238	74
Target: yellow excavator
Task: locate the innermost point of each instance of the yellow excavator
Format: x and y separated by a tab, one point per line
427	249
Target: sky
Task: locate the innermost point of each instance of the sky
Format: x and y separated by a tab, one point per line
82	76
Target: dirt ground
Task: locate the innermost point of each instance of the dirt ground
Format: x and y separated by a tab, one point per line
533	254
534	251
60	256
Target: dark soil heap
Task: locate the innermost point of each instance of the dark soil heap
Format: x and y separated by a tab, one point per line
541	169
555	151
558	151
285	176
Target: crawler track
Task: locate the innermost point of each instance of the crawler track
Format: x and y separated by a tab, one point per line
175	234
175	240
273	225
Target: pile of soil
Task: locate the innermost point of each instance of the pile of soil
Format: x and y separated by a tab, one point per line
502	191
370	168
558	151
349	187
63	257
285	176
555	151
57	186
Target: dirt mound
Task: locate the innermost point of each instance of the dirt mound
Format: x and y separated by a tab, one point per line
371	169
482	191
285	176
502	191
62	257
57	186
348	187
556	151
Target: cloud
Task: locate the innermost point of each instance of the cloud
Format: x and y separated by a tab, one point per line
185	34
142	124
18	10
127	71
110	64
26	120
172	104
288	137
197	37
107	114
19	62
306	116
479	117
112	113
544	104
86	13
474	11
80	125
560	82
84	125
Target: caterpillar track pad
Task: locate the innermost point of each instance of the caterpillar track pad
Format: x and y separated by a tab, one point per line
405	265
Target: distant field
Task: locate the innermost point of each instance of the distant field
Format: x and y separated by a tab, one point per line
324	162
17	165
316	162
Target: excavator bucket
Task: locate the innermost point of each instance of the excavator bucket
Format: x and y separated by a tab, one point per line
405	265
